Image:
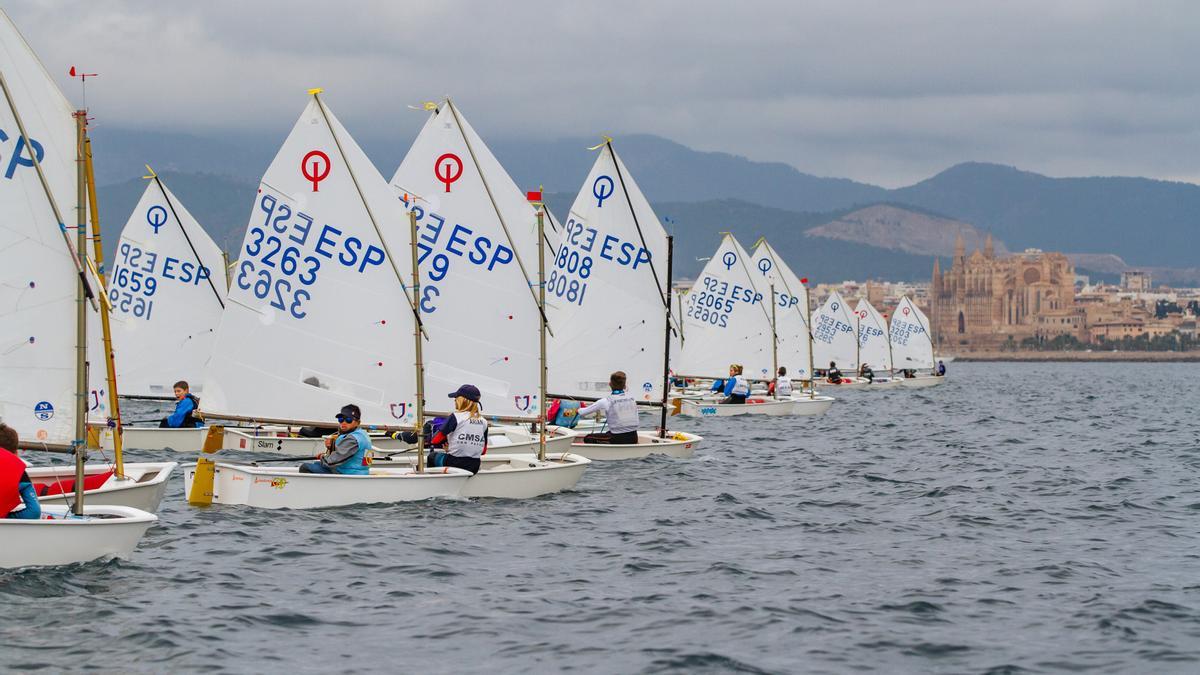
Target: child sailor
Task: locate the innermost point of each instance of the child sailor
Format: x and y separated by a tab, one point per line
620	410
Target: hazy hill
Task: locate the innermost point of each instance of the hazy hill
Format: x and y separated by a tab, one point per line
1145	222
904	229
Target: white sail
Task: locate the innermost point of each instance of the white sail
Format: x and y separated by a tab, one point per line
834	338
614	249
791	298
167	288
911	346
726	319
38	279
873	346
316	317
478	258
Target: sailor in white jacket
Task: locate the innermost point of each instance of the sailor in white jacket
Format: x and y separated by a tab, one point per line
620	409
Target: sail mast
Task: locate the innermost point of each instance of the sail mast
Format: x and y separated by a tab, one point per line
774	341
420	366
110	366
662	426
542	334
81	379
812	373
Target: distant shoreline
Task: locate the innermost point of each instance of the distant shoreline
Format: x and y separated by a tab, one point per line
1113	357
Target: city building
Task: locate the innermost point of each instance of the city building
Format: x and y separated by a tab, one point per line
985	302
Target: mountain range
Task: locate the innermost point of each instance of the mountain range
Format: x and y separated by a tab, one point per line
834	228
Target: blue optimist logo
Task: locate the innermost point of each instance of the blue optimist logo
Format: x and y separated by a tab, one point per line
43	410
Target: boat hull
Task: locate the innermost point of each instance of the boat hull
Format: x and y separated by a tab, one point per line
922	382
515	475
189	441
810	407
142	488
750	407
113	531
676	444
287	488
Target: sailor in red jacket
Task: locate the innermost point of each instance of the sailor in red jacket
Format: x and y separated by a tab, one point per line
15	486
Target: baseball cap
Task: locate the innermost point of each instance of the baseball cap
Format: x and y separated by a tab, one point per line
467	391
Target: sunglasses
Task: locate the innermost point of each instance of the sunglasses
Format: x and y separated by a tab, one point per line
344	418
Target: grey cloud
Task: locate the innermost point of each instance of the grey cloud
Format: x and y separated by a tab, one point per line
877	91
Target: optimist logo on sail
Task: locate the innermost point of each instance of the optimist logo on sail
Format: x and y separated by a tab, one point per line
764	266
156	216
602	189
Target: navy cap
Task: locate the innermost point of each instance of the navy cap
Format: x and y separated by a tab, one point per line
349	412
467	391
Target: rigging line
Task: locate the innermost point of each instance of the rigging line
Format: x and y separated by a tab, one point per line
183	229
516	251
370	214
629	202
37	165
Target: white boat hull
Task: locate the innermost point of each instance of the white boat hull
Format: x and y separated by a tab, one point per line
676	444
846	383
750	407
189	441
811	407
143	487
515	476
287	488
922	381
63	541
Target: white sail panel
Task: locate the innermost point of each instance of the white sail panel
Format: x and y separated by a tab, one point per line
38	279
834	338
476	232
874	348
726	319
167	288
911	346
316	317
614	249
791	306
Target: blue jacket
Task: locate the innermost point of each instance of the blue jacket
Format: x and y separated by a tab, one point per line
183	407
33	508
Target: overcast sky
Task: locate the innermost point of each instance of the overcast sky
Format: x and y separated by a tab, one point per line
885	92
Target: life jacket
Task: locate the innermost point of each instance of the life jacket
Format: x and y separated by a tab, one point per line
783	386
469	436
360	463
11	470
190	422
622	413
741	386
552	410
567	414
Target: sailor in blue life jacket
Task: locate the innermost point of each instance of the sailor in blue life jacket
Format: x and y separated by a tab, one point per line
620	412
15	487
834	374
187	408
464	435
941	369
737	388
781	386
348	452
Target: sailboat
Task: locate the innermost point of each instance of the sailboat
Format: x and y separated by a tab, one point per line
479	244
726	318
912	346
874	345
793	339
318	316
45	290
167	291
610	306
835	341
